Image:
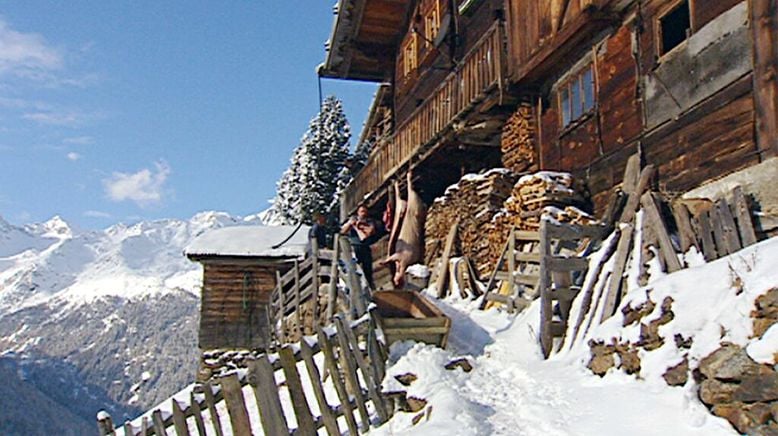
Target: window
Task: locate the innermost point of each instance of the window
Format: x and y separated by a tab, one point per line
409	55
674	27
576	96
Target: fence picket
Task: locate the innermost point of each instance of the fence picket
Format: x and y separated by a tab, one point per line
352	381
236	406
197	413
263	383
159	423
329	419
179	420
332	366
305	423
211	404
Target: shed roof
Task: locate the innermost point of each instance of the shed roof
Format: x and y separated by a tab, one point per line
250	241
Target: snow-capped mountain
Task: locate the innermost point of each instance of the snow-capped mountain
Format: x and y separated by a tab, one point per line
113	313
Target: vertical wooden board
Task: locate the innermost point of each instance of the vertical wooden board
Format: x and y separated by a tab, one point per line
352	381
297	309
613	294
210	403
764	27
731	236
441	286
314	285
144	426
511	266
631	175
373	387
684	224
706	236
340	389
198	414
279	318
544	284
159	423
128	430
722	247
329	419
263	383
743	213
332	291
634	198
302	411
179	420
660	230
236	405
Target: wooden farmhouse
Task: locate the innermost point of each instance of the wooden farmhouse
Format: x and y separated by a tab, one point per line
239	274
564	85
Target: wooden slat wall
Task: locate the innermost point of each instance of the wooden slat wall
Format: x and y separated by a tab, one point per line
233	312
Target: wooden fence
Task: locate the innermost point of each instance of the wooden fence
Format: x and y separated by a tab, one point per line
225	406
481	71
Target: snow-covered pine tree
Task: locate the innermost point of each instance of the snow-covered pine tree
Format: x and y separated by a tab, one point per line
311	183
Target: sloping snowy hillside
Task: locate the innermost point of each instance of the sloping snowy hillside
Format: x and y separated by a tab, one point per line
113	312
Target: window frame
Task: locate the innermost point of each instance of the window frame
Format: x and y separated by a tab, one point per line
658	33
564	90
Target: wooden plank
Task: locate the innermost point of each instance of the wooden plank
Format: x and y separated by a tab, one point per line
197	413
327	415
315	282
441	286
744	224
493	279
527	257
373	388
340	388
305	422
718	232
705	234
357	301
527	235
298	318
634	198
566	264
236	405
764	28
179	420
279	318
631	174
684	224
352	381
660	231
144	426
159	423
728	225
332	290
511	266
128	430
262	380
546	305
613	294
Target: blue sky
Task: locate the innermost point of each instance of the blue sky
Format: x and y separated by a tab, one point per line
124	110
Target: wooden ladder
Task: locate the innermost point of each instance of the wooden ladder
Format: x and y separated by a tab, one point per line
563	267
519	267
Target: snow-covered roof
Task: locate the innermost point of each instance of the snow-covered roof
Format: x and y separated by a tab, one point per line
250	241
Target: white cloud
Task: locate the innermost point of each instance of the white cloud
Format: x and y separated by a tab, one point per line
67	119
143	187
26	54
96	214
73	156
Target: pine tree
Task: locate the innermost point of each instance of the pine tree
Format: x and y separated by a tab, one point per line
316	173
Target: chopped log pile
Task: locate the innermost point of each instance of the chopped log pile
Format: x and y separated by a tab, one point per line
474	201
519	139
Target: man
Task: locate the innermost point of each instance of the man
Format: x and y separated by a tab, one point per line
360	231
318	232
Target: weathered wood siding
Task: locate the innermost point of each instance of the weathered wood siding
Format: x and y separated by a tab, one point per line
235	298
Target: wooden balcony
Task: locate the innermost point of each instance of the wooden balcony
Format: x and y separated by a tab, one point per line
479	75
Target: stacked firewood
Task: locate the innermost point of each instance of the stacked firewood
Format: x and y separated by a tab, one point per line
519	140
553	194
473	202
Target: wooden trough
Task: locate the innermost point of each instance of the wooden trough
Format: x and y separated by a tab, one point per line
407	315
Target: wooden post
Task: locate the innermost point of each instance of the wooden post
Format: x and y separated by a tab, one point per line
327	416
332	291
743	213
511	268
633	201
356	291
179	420
297	309
263	383
302	412
442	284
144	426
340	389
128	430
315	281
236	405
159	423
764	25
544	285
660	230
281	308
210	403
614	289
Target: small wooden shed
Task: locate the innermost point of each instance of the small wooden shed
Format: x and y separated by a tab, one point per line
239	274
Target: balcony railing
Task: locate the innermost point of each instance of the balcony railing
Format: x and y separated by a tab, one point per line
479	73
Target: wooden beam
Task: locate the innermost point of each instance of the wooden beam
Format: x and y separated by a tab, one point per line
764	25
